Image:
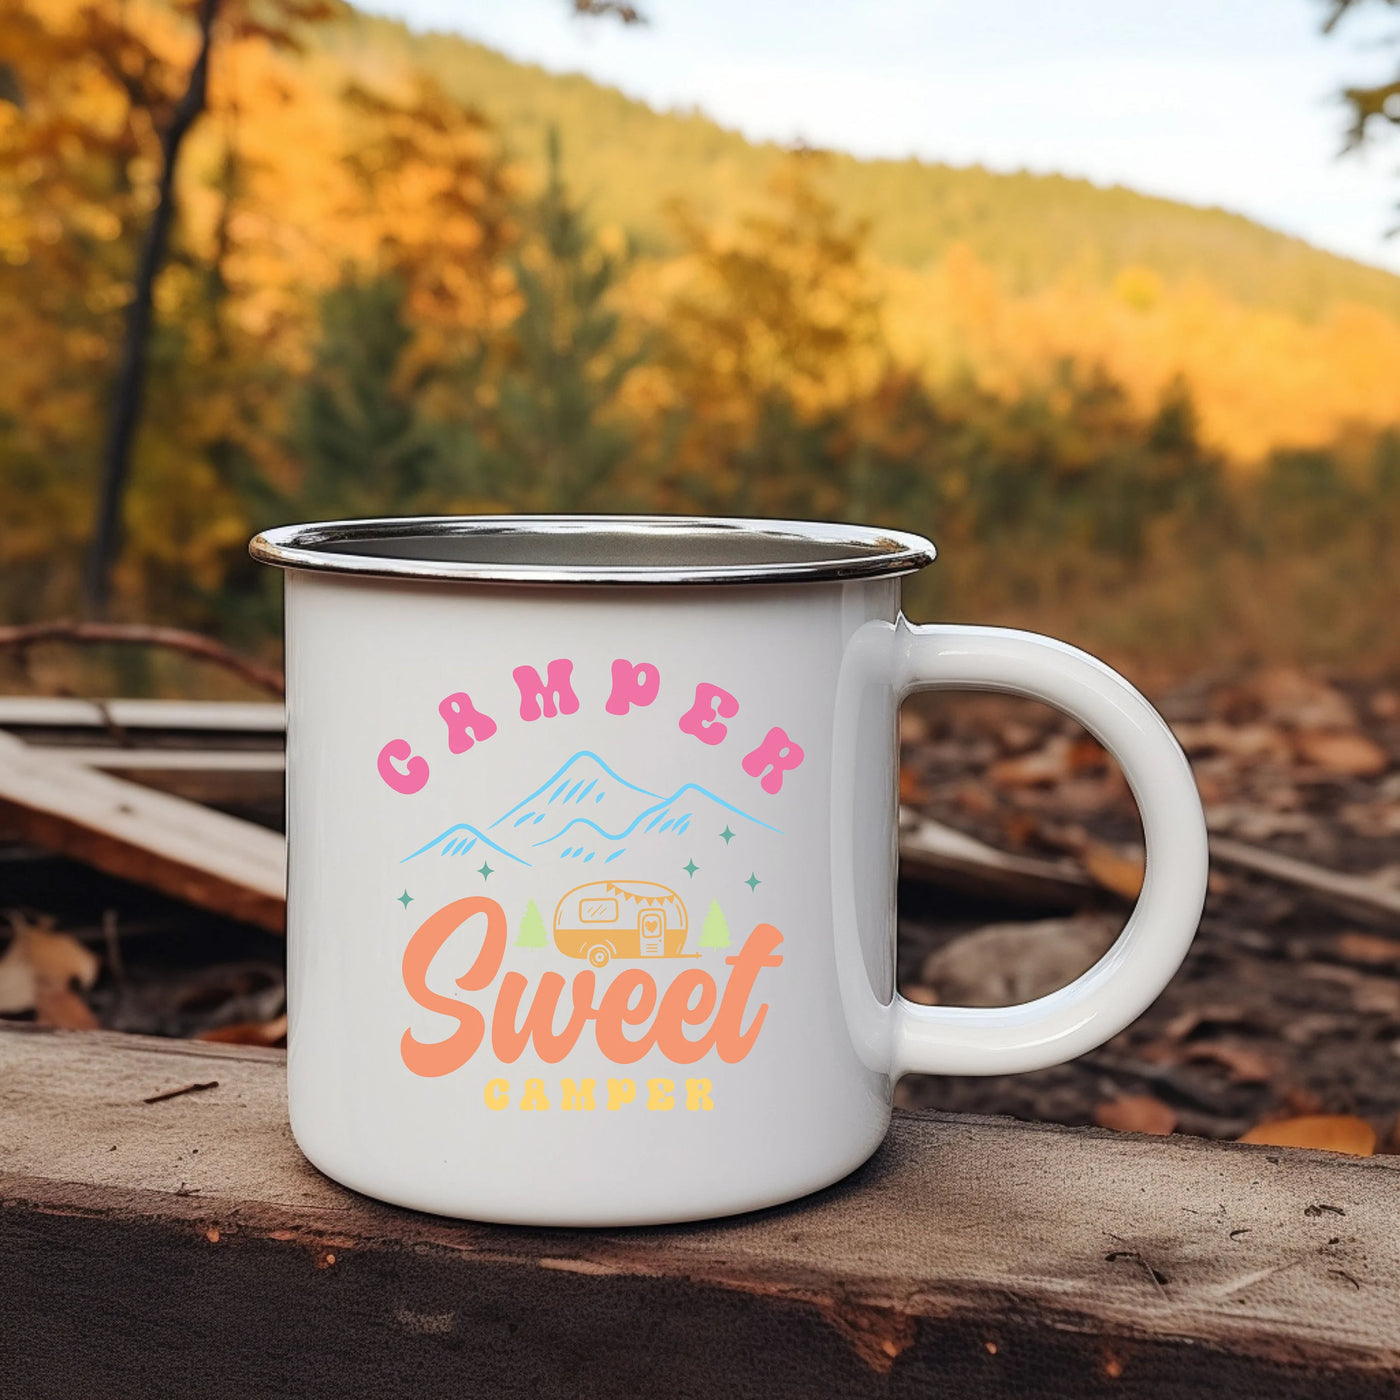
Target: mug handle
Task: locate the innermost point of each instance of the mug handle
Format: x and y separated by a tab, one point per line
1129	977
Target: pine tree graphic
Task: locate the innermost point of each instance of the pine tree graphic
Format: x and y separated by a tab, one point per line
532	932
714	932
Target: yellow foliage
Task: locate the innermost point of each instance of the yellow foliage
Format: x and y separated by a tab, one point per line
1260	379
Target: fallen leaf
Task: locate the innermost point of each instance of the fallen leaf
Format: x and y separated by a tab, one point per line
1086	754
913	728
1242	1063
1088	794
913	791
1345	753
1136	1113
40	960
1114	870
1250	822
59	959
1245	743
1015	736
1301	700
1368	948
1018	829
249	1032
64	1008
1385	704
975	799
18	984
1311	1026
1045	765
1212	1013
1377	995
1327	1132
1372	818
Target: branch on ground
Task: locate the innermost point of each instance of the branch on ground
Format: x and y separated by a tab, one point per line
141	634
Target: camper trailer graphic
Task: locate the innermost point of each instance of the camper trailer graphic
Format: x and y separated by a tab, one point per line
609	919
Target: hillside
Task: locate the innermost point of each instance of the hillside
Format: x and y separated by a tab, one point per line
1031	230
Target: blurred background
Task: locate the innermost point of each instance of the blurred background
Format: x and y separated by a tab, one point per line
1098	295
342	266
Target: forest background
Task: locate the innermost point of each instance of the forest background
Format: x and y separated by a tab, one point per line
405	275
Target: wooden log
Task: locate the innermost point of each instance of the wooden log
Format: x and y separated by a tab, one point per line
1372	898
244	780
25	712
183	1246
941	855
208	859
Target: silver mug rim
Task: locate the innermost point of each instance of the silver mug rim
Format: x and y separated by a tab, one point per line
706	549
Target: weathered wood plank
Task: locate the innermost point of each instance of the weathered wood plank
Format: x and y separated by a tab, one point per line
1369	897
208	859
941	855
198	760
210	716
187	1239
245	780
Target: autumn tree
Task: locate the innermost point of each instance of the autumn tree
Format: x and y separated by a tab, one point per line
776	330
75	144
167	105
432	207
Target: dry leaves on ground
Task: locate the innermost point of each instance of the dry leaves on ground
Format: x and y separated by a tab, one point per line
271	1032
1119	872
1369	948
1327	1132
38	973
1344	753
1136	1113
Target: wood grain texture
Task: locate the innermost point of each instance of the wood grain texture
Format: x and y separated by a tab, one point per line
204	857
190	716
184	1247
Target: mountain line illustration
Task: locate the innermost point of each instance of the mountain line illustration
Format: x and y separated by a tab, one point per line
458	840
588	813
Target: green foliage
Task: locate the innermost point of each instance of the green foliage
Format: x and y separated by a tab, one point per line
358	437
714	932
532	933
551	433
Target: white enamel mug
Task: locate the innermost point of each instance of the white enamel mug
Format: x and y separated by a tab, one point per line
593	841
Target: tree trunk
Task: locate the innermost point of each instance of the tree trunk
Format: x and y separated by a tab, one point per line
131	374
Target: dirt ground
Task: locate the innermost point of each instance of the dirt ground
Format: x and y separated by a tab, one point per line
1288	1003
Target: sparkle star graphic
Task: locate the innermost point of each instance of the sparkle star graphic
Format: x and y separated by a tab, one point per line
405	899
690	868
485	871
753	882
726	835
